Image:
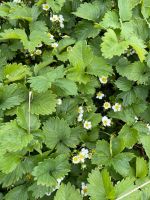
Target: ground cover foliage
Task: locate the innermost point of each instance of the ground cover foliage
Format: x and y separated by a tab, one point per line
74	99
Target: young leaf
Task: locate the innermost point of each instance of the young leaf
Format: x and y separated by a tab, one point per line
141	167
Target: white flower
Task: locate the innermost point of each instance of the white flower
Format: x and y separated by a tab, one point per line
80	110
99	95
83	166
48	193
87	125
59	101
75	159
54	45
45	6
61	18
84	189
61	25
38	52
59	180
106	105
103	79
54	18
17	1
85	152
51	37
106	121
80	117
116	107
136	118
40	45
148	126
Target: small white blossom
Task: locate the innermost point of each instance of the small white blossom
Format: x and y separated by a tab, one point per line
80	110
136	118
80	117
81	157
99	95
54	45
148	126
48	194
106	105
83	166
54	18
84	189
45	7
38	52
40	45
59	101
103	79
85	152
116	107
106	121
51	37
17	1
76	159
87	125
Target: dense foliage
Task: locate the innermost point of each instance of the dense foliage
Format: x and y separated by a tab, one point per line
74	99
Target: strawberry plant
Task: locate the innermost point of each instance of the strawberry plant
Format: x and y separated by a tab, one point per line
74	100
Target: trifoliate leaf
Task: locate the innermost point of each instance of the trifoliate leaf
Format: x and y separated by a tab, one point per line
23	116
12	95
111	45
110	20
48	171
14	72
141	167
19	192
67	192
58	134
93	11
44	103
13	34
13	138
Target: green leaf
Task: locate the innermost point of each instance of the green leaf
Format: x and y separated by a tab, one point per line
19	192
100	185
124	186
56	5
23	119
102	154
43	104
146	8
85	29
58	134
125	10
129	135
99	67
93	11
141	167
138	72
111	46
13	138
67	192
121	163
123	84
144	139
43	82
65	87
110	20
48	171
14	72
108	186
12	95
